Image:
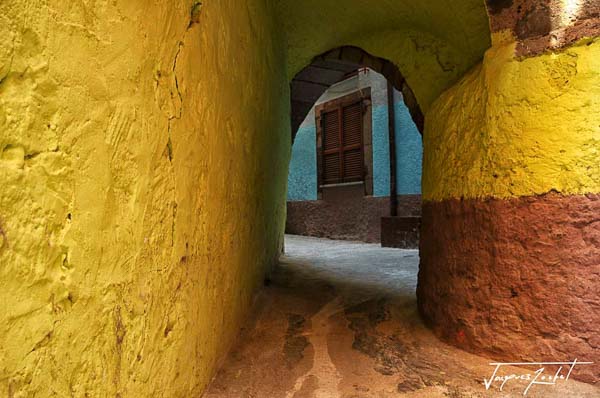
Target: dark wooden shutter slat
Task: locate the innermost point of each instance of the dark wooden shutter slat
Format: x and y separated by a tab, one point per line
352	151
342	141
352	116
331	134
331	168
331	147
353	165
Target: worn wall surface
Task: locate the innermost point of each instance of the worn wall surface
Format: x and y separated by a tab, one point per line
302	178
142	170
510	245
347	216
409	151
432	42
532	121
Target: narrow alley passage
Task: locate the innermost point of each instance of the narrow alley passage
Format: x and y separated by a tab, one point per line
339	319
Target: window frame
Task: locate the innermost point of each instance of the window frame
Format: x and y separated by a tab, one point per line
338	104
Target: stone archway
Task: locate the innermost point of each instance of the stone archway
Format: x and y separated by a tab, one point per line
330	67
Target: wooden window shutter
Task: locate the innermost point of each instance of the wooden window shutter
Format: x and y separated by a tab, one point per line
331	147
352	135
342	143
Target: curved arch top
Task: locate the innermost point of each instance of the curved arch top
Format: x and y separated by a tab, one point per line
330	67
433	43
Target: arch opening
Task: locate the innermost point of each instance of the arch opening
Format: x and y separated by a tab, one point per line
471	178
331	67
369	191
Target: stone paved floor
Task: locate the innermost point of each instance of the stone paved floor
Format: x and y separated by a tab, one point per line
339	319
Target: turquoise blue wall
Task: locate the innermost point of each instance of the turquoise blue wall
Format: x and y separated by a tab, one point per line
409	152
302	181
381	151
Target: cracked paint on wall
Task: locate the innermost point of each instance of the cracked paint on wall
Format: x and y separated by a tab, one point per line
537	127
122	273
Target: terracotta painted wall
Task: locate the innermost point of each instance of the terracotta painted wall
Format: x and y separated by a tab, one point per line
143	173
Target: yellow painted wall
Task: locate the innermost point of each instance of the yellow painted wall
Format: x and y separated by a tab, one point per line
143	163
515	127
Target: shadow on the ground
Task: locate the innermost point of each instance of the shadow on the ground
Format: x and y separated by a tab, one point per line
340	319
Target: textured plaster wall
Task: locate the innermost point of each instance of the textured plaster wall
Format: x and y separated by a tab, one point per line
379	135
143	173
510	226
302	179
433	42
381	151
409	150
515	127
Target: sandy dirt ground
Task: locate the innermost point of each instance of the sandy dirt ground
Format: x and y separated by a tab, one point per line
339	319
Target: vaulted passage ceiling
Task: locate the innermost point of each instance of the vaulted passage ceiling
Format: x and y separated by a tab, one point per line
433	42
